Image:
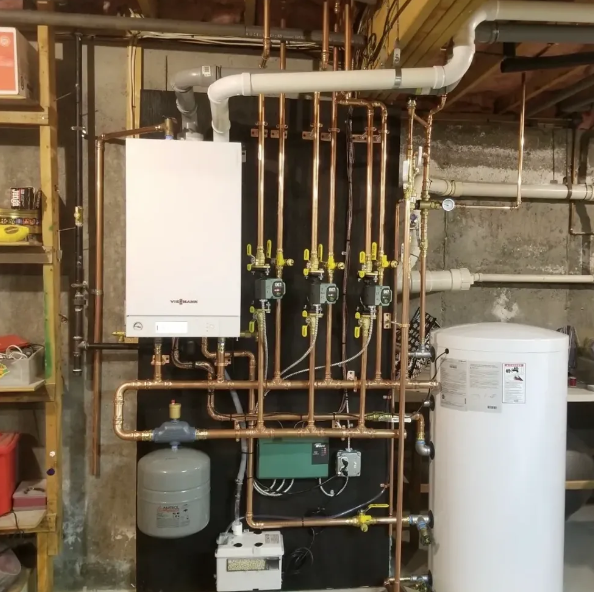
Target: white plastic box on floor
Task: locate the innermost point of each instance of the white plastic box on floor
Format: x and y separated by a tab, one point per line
249	561
183	238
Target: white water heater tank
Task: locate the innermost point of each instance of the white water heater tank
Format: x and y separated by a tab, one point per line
497	481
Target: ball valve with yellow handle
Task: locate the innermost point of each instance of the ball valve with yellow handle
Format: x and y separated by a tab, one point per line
364	519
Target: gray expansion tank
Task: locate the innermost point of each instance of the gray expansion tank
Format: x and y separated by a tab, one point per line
173	496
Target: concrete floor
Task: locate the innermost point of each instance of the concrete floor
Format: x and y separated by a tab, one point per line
579	551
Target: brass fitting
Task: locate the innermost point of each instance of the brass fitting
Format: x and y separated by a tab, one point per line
174	410
429	205
169	125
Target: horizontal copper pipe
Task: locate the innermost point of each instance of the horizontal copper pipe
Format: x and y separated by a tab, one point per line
271	384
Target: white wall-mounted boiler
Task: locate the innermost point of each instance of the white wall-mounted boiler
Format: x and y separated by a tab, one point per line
183	238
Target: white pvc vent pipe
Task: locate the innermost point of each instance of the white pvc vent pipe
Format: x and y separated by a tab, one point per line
422	79
451	188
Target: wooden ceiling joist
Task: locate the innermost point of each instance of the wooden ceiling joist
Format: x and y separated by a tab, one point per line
149	8
249	15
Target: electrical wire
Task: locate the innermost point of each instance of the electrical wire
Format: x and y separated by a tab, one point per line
356	508
332	493
344	362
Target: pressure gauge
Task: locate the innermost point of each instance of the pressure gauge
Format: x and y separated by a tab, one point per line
448	204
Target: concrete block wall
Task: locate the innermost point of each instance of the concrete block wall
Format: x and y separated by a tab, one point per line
99	528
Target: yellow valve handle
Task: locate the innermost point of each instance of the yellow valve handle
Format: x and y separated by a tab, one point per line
362	257
269	249
357	315
304	331
320	252
361	274
370	506
331	263
304	314
249	250
373	251
249	267
306	272
252	326
252	309
306	255
357	332
385	263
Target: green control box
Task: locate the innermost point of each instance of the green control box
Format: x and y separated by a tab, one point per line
293	458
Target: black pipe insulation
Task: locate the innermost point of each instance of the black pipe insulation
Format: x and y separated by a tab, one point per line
570	60
97	22
111	346
500	32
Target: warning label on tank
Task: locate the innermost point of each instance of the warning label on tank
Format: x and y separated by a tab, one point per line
484	387
454	381
514	383
173	516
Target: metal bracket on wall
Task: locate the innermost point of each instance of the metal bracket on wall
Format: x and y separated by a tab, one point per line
387	320
357	138
274	134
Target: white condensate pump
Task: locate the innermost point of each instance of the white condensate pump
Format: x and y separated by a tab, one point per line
173	492
249	561
183	239
497	481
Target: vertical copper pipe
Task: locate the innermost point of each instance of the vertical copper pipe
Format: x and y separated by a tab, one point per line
158	361
261	377
363	389
392	459
425	217
98	300
220	363
348	36
311	399
325	34
332	201
369	188
266	35
404	327
260	255
281	206
315	194
381	240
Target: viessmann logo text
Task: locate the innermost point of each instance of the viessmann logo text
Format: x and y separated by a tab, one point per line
183	301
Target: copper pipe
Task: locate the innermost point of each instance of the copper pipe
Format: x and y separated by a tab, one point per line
207	354
158	361
315	193
332	200
325	35
99	273
425	218
404	327
420	419
281	206
286	385
311	390
236	433
421	121
266	35
261	377
392	455
363	389
381	247
348	36
221	361
260	255
521	134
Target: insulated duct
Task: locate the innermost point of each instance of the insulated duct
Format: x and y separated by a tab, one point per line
498	32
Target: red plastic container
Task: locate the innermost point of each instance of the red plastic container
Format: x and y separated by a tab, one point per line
8	442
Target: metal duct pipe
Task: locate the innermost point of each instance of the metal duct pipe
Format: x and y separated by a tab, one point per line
563	94
65	20
524	64
499	32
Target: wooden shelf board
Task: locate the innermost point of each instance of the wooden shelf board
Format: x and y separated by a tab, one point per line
24	117
30	388
29	521
24	252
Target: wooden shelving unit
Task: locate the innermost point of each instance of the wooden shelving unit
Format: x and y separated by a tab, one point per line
47	526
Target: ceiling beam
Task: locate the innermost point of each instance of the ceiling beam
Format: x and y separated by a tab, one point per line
149	8
539	82
249	14
440	26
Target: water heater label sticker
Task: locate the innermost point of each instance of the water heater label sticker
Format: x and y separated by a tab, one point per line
514	383
484	387
173	516
454	384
